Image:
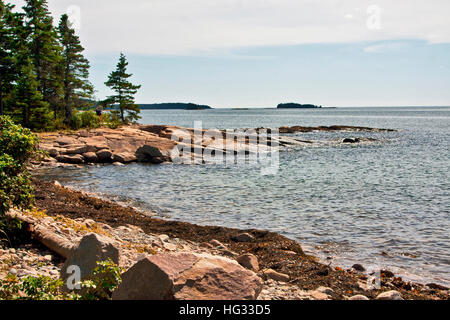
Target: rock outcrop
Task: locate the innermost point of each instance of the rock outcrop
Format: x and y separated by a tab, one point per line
157	144
105	145
187	276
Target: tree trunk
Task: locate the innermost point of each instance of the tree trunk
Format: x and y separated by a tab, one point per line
1	100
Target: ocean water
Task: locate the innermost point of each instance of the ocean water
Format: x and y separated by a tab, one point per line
383	204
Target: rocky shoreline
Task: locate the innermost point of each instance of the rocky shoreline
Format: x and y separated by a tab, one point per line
276	268
69	225
156	143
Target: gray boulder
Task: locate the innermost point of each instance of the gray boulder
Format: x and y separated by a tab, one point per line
188	276
149	153
91	249
104	155
124	157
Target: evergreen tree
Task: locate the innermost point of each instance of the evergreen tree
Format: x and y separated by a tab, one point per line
76	84
7	65
26	101
125	91
45	52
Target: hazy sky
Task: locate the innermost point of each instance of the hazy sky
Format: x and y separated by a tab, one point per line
249	53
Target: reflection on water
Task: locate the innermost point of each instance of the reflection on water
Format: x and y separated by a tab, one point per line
351	203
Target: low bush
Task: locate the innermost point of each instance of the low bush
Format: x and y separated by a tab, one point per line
76	122
17	146
89	119
111	120
105	279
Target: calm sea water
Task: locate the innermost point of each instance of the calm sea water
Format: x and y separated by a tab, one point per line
382	205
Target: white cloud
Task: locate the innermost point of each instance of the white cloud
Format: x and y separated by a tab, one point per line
205	26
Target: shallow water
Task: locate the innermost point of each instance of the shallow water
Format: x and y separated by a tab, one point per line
382	205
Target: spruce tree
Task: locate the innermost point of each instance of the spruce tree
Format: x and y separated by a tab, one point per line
45	52
26	100
125	91
7	65
76	83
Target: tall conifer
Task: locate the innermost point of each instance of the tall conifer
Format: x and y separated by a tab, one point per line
45	52
7	65
125	91
76	83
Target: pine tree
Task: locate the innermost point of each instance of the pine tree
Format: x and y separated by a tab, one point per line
45	52
125	91
76	83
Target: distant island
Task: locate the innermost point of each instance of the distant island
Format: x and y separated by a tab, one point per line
297	106
174	106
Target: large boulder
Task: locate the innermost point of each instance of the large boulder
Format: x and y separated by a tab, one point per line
149	153
124	157
188	276
91	249
90	157
104	156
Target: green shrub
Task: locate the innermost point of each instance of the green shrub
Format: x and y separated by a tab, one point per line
111	120
33	288
89	119
17	145
12	231
75	121
105	279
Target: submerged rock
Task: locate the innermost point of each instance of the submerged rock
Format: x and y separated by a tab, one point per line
351	140
358	267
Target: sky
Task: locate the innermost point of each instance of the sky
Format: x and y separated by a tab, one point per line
259	53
